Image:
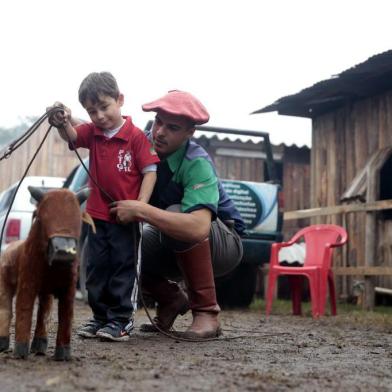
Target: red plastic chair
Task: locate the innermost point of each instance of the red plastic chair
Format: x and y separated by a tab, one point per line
320	241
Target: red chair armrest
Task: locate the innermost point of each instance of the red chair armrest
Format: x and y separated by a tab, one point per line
284	244
343	239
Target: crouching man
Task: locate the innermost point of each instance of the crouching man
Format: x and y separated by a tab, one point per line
192	227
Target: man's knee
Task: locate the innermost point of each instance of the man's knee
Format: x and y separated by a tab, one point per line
157	257
171	243
226	248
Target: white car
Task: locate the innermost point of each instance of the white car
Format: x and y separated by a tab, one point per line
20	217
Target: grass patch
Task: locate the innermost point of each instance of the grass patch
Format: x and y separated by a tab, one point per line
280	306
381	317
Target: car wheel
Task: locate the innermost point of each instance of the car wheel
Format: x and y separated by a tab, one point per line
238	289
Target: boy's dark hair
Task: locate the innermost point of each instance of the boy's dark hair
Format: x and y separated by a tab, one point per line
96	84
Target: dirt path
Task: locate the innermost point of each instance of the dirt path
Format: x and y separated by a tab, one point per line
340	354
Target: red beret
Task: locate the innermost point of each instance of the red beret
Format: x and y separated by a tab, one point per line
179	103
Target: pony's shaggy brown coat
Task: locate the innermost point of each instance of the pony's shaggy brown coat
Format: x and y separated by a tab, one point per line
25	272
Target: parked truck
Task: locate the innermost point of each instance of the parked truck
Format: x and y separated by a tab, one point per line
260	204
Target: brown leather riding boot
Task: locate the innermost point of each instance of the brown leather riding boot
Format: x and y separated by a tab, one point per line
195	264
171	300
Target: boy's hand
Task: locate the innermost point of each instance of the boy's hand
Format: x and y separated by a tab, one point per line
59	119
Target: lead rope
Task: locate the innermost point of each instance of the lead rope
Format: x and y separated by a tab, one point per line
137	283
137	287
14	145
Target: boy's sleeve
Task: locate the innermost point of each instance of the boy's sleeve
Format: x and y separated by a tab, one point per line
200	187
143	151
85	135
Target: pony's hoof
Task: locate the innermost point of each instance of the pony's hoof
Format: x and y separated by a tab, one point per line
39	346
21	350
62	353
4	343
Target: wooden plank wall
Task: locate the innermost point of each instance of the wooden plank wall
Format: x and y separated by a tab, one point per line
54	158
342	141
296	186
235	168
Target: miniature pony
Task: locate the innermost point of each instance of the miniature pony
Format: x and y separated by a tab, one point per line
43	265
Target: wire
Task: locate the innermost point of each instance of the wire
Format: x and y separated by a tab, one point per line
138	260
18	142
88	172
20	183
15	145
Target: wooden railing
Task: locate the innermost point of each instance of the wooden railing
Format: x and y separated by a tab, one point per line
334	210
369	270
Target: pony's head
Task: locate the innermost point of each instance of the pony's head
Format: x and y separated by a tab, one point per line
60	218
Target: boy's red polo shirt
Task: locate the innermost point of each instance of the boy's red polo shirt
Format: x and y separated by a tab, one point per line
116	164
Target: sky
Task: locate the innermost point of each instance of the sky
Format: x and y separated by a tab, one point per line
236	56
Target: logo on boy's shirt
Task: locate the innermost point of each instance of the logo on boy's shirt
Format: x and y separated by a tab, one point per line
124	161
152	151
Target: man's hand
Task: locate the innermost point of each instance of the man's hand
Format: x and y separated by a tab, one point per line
189	227
59	119
127	210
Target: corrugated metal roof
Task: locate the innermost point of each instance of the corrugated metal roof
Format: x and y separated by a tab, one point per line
240	139
226	137
369	78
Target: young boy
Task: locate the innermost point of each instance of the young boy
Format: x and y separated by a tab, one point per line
123	164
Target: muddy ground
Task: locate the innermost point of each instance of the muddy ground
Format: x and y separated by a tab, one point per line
343	353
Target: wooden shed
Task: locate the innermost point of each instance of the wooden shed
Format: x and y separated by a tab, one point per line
351	138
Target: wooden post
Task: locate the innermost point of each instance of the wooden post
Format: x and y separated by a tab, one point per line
345	262
370	238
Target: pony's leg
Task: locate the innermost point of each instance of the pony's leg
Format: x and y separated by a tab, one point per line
65	314
6	295
39	344
25	296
